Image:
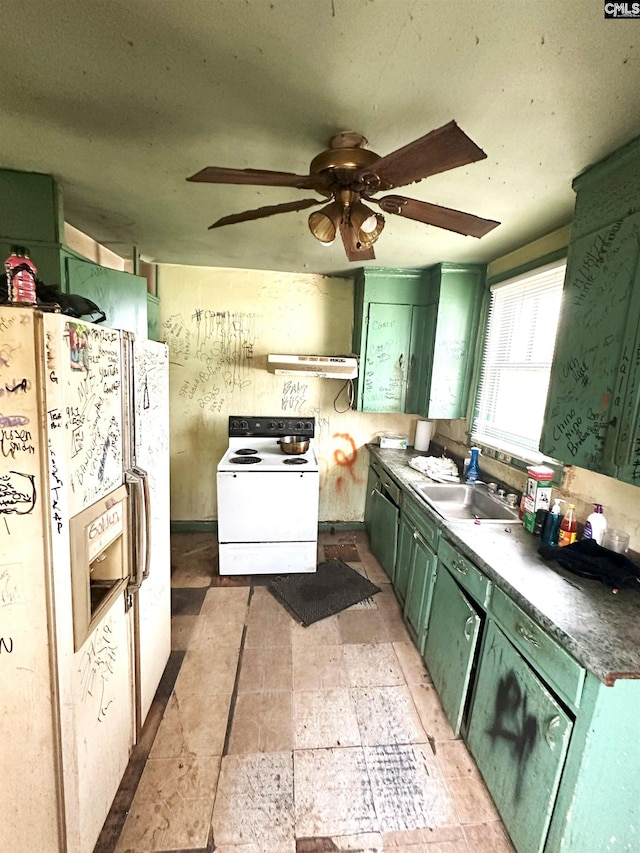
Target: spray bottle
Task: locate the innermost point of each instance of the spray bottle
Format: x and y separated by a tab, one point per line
551	528
473	472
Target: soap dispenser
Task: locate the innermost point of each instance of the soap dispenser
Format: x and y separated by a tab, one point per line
473	472
551	528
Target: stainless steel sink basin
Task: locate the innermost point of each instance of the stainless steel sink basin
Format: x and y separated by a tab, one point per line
457	502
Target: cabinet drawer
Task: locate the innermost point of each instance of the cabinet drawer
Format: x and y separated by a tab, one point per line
556	665
420	521
468	576
393	490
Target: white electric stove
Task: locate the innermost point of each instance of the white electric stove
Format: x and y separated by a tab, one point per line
267	499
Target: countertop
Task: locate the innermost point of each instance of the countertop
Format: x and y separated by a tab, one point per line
600	628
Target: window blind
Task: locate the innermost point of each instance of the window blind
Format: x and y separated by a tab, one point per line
514	378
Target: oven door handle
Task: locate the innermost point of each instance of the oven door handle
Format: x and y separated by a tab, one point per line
137	481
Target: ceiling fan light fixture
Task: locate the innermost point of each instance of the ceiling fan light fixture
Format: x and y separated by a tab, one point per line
368	236
362	217
324	224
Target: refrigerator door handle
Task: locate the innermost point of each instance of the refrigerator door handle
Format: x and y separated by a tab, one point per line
136	479
147	520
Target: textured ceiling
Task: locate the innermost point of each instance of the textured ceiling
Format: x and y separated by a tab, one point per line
121	101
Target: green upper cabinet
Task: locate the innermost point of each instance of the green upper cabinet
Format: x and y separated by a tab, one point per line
32	207
592	417
415	332
383	332
122	296
32	216
458	292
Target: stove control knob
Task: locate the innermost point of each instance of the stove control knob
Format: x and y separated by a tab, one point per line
281	425
244	425
299	425
272	424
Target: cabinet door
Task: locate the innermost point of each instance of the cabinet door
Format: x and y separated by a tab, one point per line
403	561
384	531
386	360
460	289
373	484
122	296
591	417
452	639
423	326
419	589
518	735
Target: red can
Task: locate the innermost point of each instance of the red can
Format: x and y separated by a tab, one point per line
21	276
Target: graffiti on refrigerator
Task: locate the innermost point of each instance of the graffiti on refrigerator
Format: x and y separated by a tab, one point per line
97	667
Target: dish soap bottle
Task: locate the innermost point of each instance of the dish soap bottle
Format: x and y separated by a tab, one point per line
473	472
552	523
568	528
595	525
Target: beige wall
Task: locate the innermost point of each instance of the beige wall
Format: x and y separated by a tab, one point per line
220	324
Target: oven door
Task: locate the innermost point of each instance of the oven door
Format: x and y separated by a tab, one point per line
268	506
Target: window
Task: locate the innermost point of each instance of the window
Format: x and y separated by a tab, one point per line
521	333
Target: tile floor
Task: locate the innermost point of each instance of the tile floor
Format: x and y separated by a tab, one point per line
268	737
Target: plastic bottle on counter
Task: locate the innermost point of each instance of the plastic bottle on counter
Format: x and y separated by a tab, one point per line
473	472
551	528
596	525
568	528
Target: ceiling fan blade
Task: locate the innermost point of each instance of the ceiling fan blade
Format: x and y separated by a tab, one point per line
270	210
354	250
256	177
444	148
434	214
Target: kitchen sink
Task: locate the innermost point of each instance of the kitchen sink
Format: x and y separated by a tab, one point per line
456	502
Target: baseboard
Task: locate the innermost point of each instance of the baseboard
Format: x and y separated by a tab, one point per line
193	526
212	526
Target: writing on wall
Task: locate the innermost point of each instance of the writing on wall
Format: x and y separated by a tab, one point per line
215	349
294	396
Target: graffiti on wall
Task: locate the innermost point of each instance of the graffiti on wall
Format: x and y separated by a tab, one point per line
219	347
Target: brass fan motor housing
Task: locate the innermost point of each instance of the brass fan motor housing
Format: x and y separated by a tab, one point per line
348	159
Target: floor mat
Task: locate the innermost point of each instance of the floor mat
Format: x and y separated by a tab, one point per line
333	587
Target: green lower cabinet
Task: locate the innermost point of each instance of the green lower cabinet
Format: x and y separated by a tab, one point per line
422	575
383	536
452	644
519	735
373	485
403	561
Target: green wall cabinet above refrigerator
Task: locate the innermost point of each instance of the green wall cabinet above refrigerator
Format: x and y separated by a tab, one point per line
415	333
592	417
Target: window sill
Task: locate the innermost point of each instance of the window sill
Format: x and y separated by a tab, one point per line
520	459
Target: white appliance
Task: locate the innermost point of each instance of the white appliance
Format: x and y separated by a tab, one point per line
84	569
267	499
322	366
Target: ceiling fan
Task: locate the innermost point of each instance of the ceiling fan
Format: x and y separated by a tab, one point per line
350	174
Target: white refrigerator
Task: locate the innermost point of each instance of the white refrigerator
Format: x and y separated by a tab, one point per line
84	569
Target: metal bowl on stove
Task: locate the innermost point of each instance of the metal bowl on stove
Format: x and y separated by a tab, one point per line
293	444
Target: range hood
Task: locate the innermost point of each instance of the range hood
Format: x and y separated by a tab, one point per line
323	366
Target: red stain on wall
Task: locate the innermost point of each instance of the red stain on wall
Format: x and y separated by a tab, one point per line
346	458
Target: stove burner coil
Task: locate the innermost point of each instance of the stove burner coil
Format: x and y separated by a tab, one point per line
246	451
245	460
296	460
